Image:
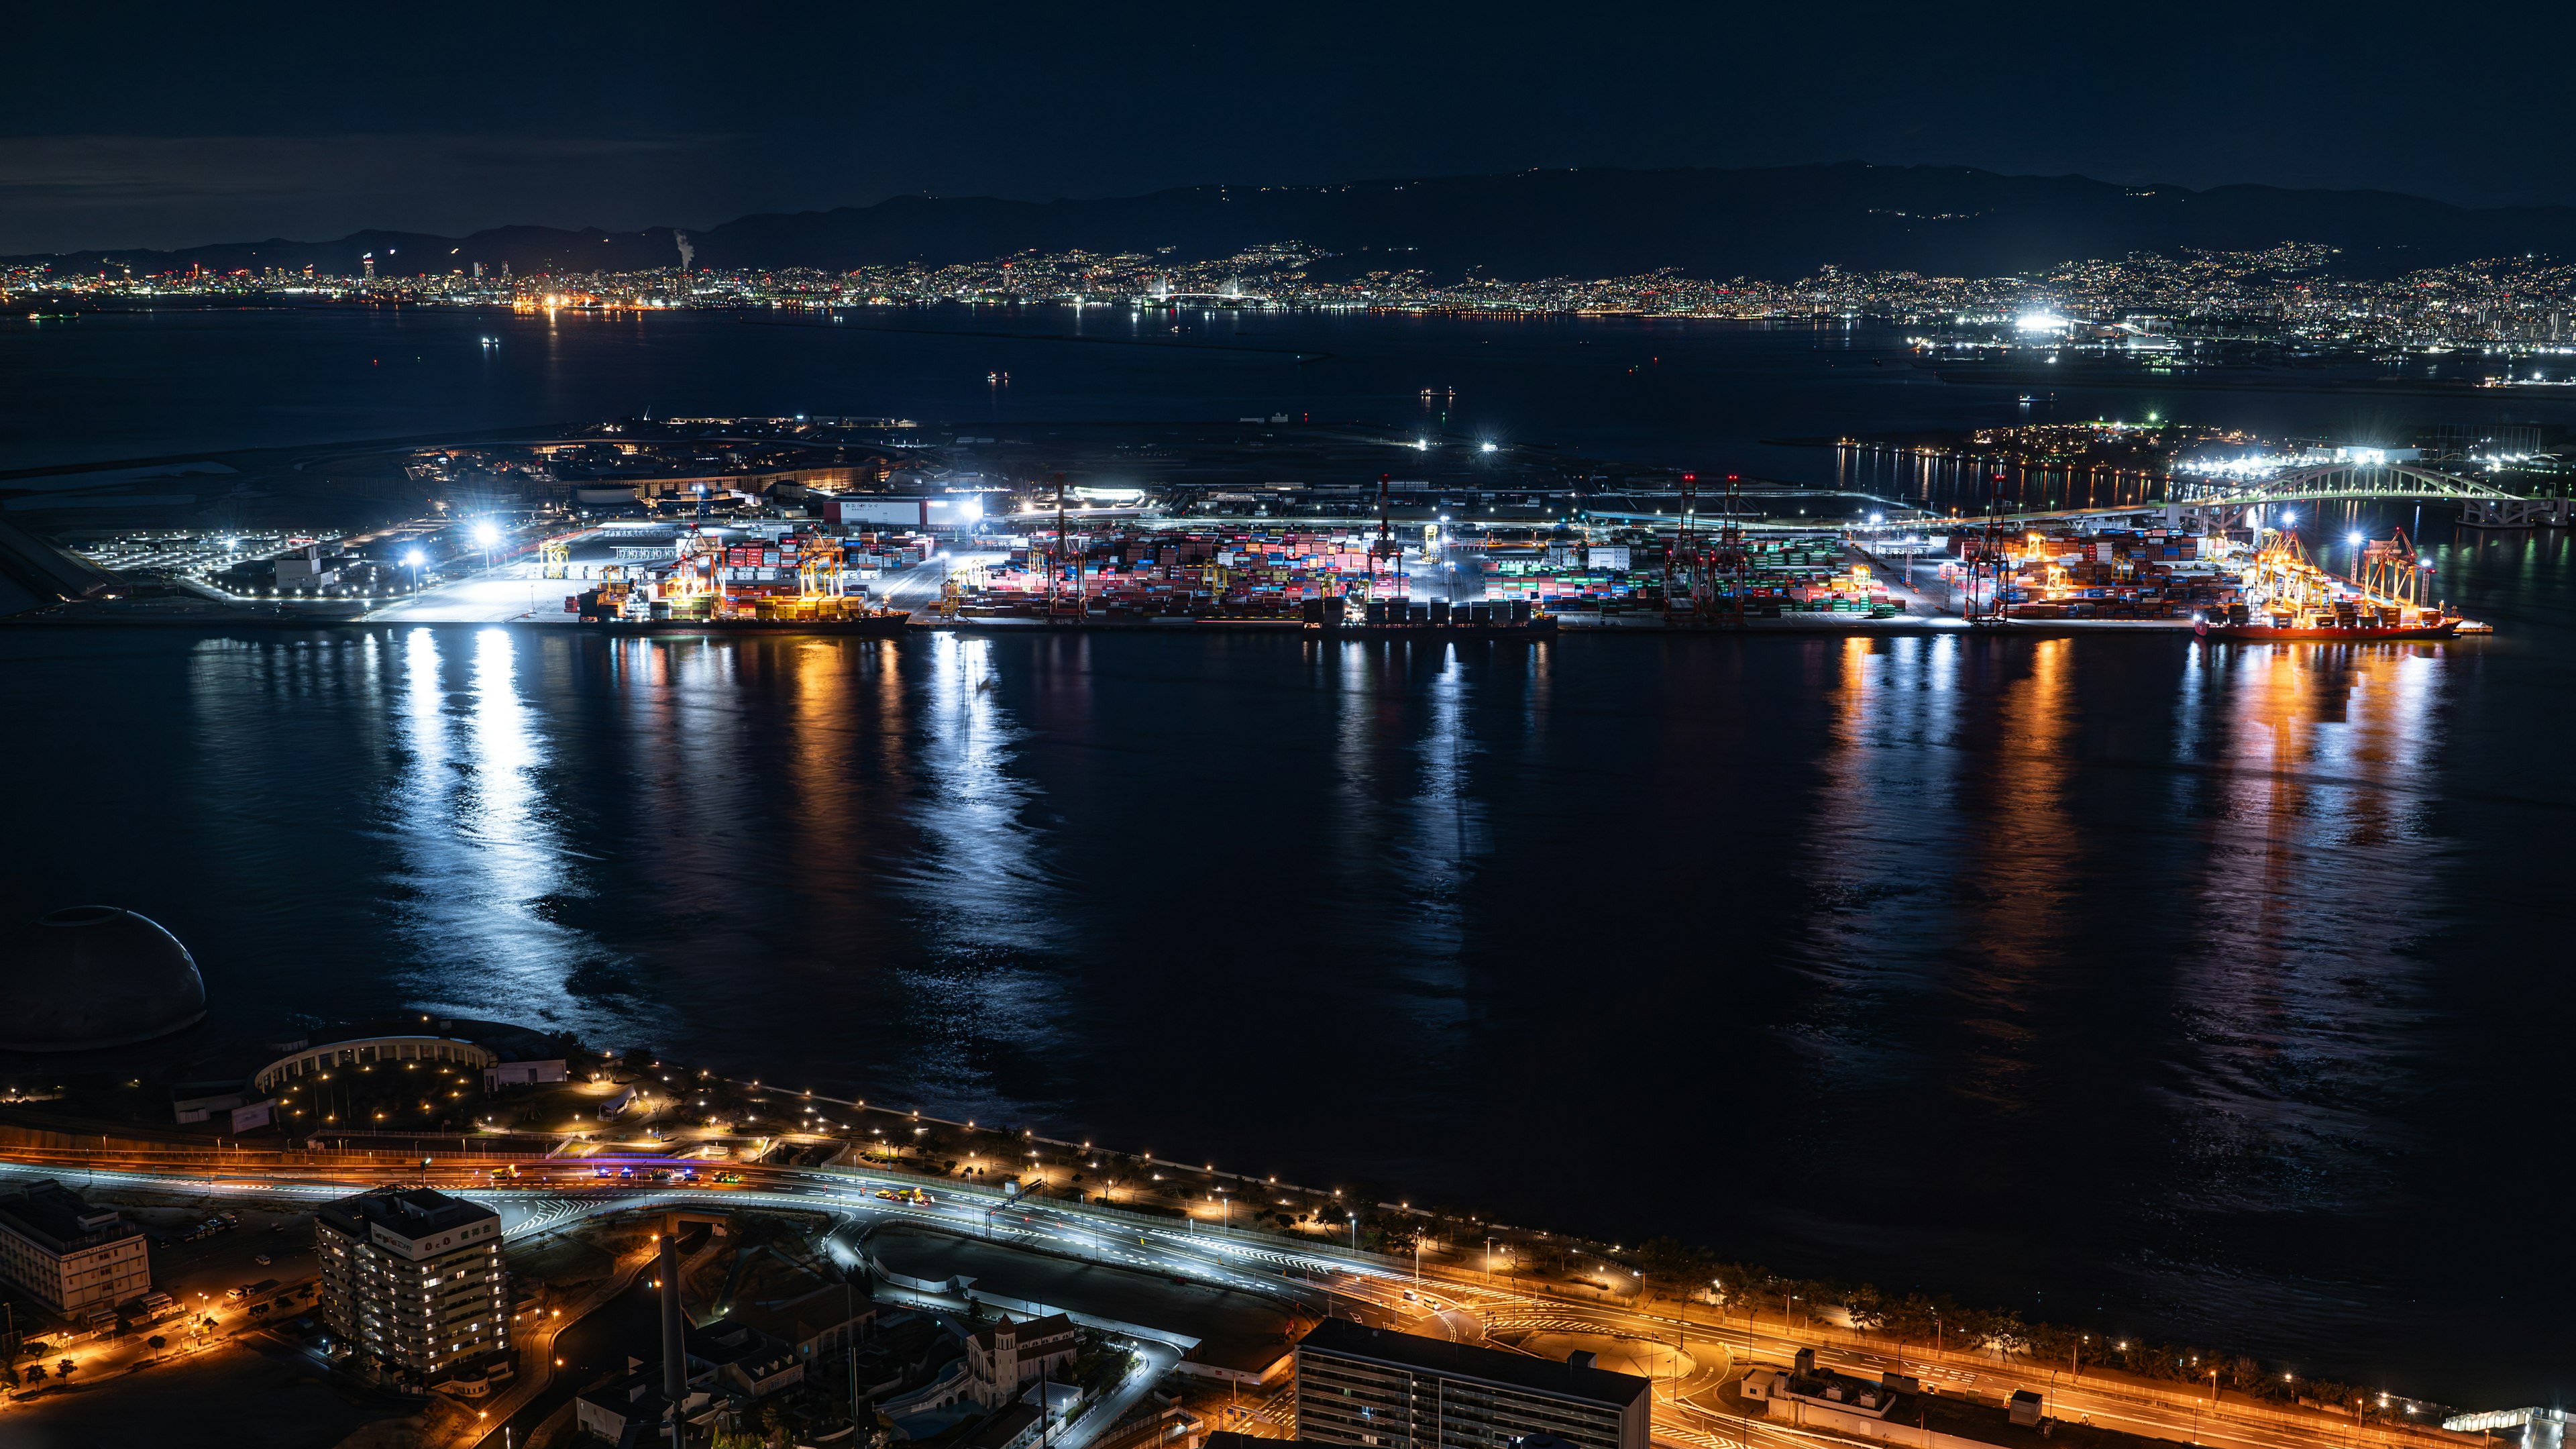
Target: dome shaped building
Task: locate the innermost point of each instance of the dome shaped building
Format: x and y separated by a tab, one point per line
91	977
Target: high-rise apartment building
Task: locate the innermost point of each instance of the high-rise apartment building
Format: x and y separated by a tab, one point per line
1378	1389
412	1278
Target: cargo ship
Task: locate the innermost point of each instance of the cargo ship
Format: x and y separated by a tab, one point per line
1538	628
2293	599
889	624
621	607
2342	621
2328	630
1402	619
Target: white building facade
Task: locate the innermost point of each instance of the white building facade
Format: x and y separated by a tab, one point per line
412	1278
73	1258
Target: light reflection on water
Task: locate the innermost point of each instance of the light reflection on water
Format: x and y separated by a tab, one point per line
2112	969
478	858
979	887
2317	875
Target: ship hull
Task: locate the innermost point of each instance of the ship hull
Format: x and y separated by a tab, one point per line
1436	633
2265	633
873	626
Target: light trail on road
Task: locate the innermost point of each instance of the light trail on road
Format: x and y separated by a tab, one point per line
1274	1269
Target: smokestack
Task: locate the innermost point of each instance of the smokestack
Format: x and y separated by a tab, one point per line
675	1357
688	253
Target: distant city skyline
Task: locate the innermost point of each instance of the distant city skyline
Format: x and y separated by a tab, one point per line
173	130
2282	293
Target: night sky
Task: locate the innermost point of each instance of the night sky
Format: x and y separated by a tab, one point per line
162	125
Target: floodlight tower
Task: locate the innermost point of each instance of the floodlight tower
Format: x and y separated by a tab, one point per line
1386	547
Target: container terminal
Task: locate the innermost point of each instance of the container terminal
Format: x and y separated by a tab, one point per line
1166	530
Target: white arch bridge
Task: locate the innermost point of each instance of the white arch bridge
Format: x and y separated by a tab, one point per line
2225	503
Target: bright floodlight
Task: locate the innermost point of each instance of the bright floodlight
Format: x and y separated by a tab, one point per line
414	558
486	535
2354	540
2289	518
971	509
2039	321
1489	447
1878	518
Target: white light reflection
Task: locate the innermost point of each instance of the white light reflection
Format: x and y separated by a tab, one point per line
1449	830
989	908
479	859
1890	780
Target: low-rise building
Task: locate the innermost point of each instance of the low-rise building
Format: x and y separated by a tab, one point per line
412	1278
1014	1426
241	1108
524	1074
740	1357
629	1411
819	1323
73	1258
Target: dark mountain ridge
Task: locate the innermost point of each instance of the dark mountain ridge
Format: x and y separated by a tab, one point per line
1768	222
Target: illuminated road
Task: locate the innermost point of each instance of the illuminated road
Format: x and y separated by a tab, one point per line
1445	1304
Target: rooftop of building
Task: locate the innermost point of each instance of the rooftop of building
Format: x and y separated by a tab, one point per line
752	1352
636	1397
507	1040
800	1306
1008	1423
56	1217
409	1212
1027	1330
1465	1361
1230	1439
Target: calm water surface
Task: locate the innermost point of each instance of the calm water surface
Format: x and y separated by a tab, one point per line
2158	990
